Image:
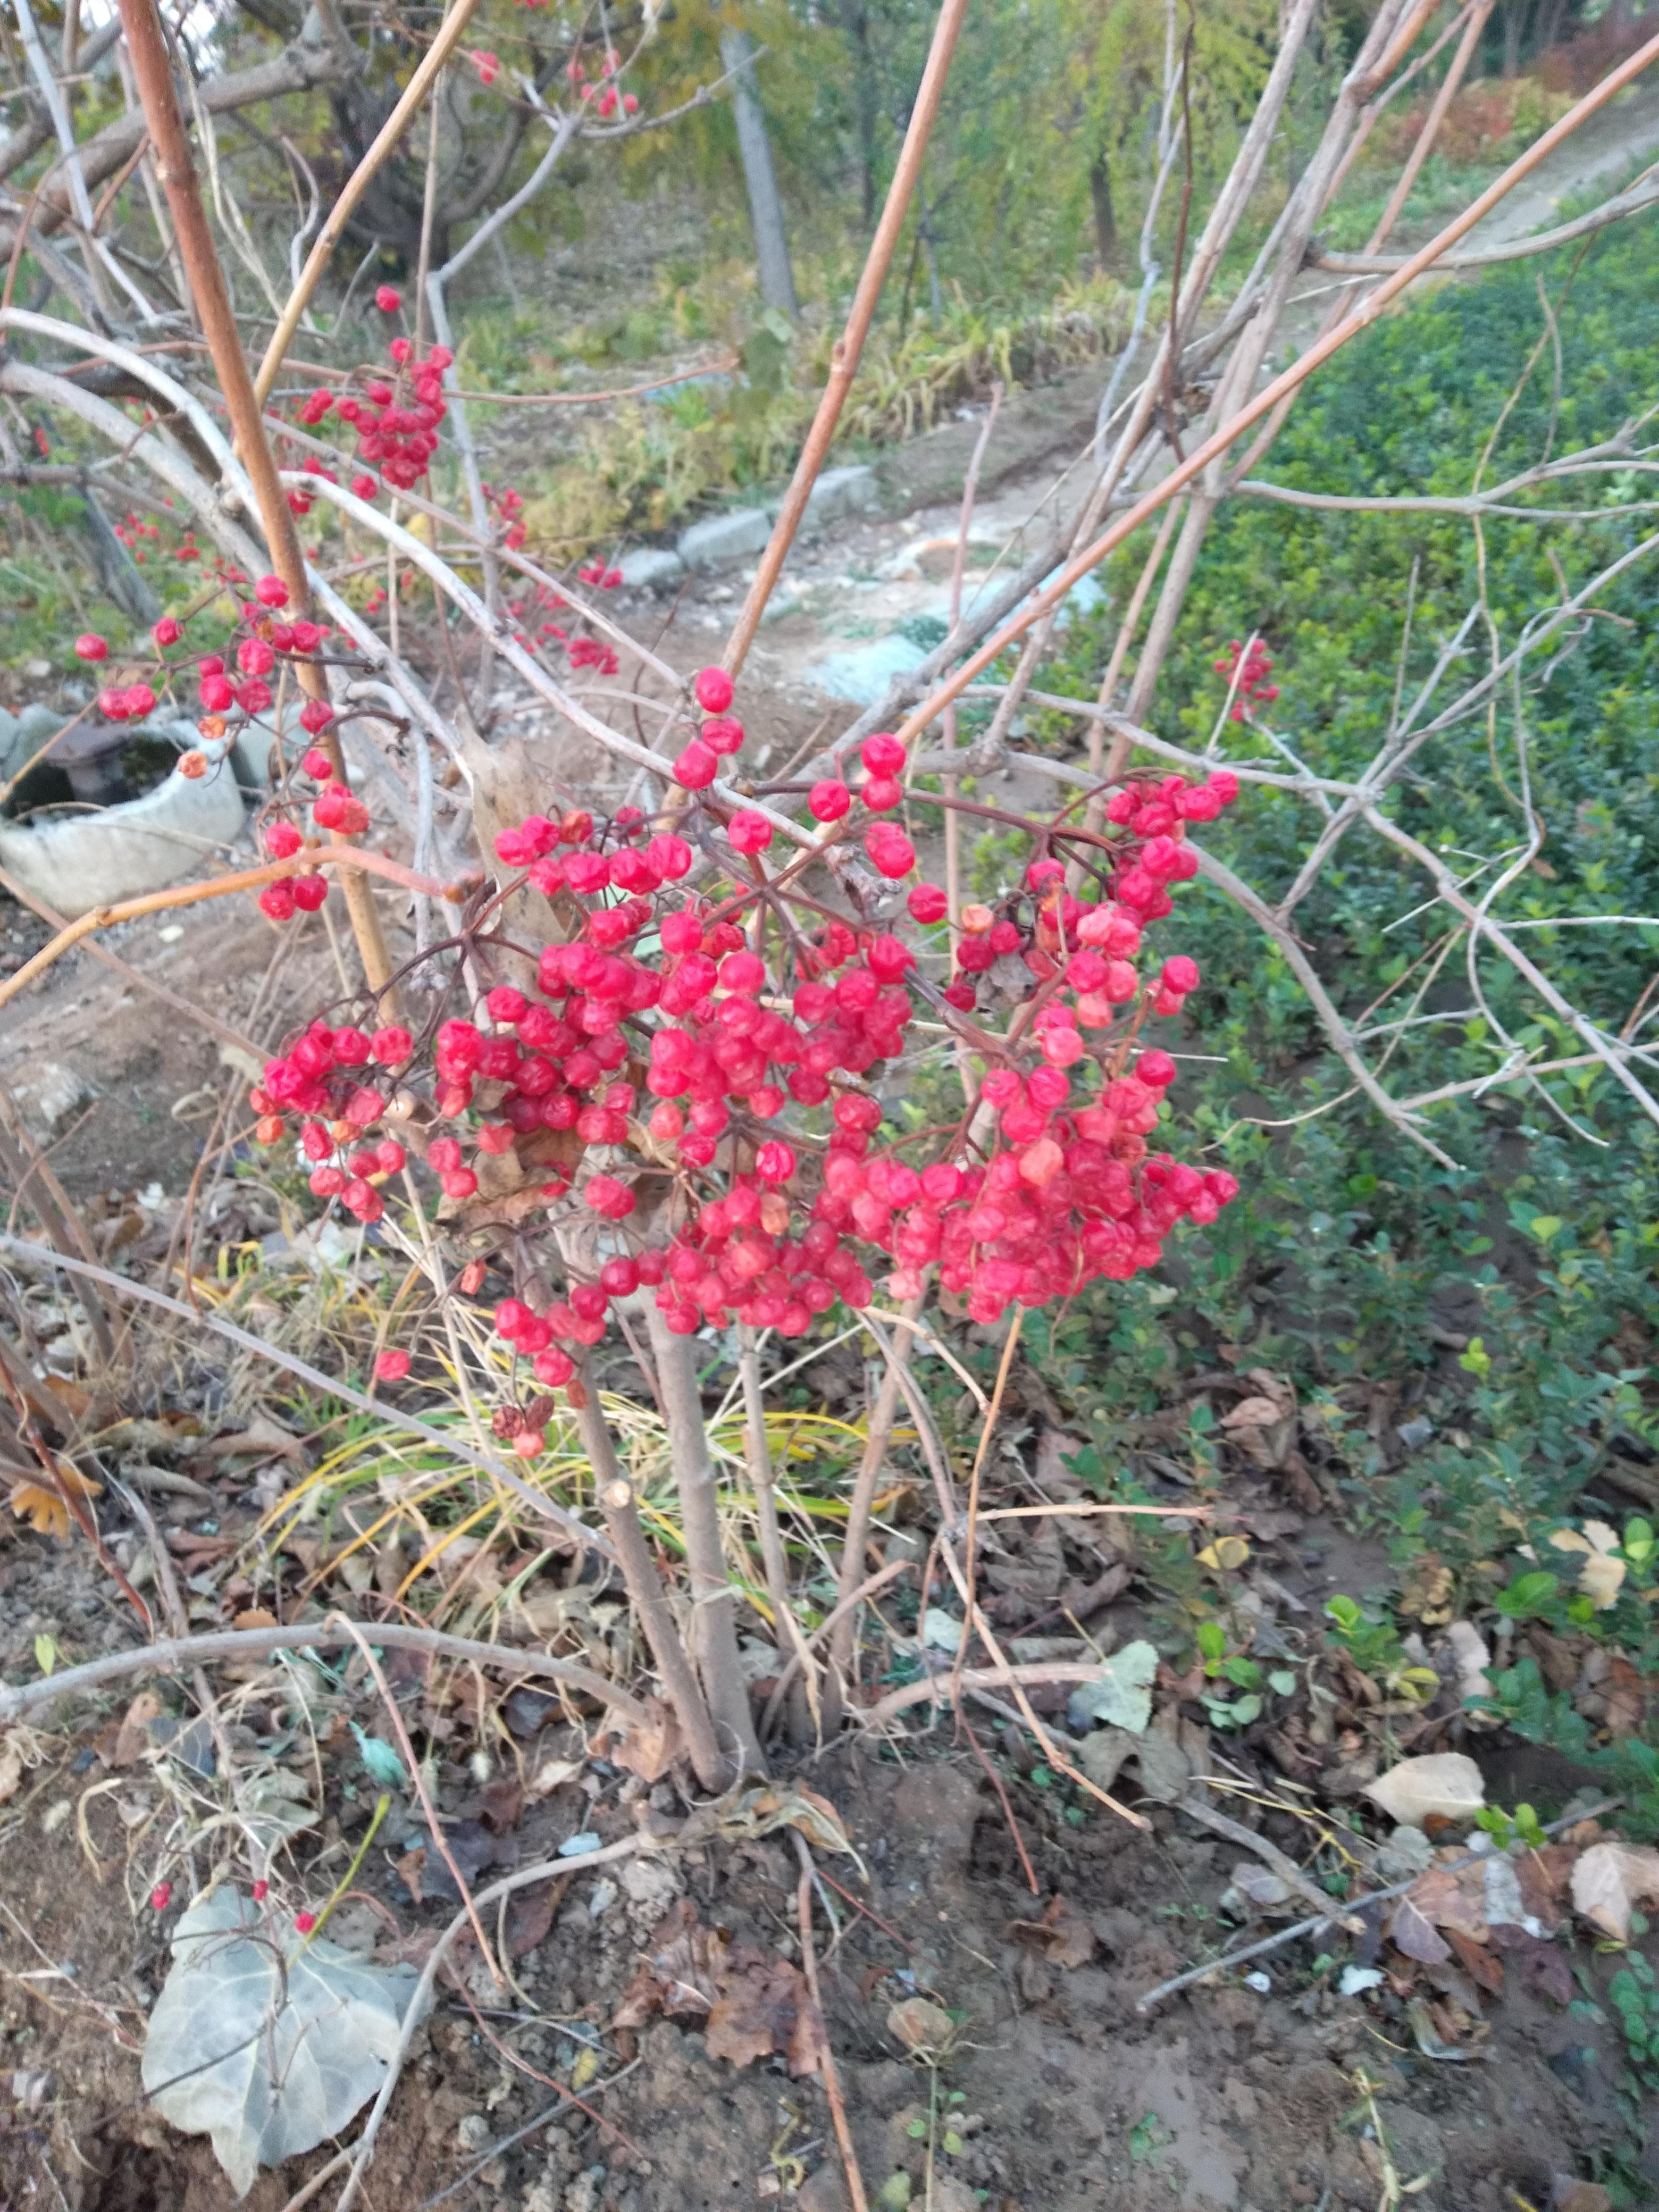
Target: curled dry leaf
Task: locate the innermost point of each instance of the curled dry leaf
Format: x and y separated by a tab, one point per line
1610	1879
1417	1937
42	1506
11	1768
1602	1574
1444	1785
1062	1936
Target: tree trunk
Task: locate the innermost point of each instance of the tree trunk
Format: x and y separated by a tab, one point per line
855	22
1100	193
777	279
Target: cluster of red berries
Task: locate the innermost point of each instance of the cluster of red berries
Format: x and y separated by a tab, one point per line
322	1080
487	65
132	534
601	578
660	994
604	96
1251	666
265	637
399	439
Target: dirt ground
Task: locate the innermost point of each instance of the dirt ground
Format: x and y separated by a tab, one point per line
1055	2093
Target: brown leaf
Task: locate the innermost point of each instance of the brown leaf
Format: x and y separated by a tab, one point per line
11	1768
133	1738
530	1913
1453	1897
756	2015
1480	1963
41	1506
502	1801
1417	1937
1543	1965
253	1616
681	1974
1062	1935
410	1869
651	1749
1542	1877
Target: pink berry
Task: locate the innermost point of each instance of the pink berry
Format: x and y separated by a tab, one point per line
271	591
713	689
303	1922
392	1366
162	1896
282	841
316	765
829	800
364	487
388	299
882	754
90	646
927	903
261	1891
166	632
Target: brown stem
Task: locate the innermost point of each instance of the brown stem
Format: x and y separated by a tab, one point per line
877	1438
153	72
713	1595
639	1571
356	862
809	1959
786	1629
849	346
986	1430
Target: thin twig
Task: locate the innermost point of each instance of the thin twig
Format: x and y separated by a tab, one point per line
850	2157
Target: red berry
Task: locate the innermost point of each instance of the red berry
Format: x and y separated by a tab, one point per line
927	903
713	689
166	632
882	793
90	646
388	299
829	800
696	767
882	754
162	1896
282	841
722	734
303	1922
261	1891
392	1366
750	832
271	591
316	765
315	716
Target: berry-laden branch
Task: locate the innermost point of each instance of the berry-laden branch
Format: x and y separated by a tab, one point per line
153	71
679	1111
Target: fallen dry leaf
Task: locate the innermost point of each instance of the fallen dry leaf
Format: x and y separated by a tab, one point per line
758	2011
1417	1937
11	1769
1610	1880
1543	1965
133	1738
1062	1936
1444	1785
764	1806
650	1750
410	1868
253	1616
681	1972
44	1509
1453	1897
1479	1964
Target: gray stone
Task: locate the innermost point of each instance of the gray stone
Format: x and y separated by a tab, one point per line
839	493
725	539
651	568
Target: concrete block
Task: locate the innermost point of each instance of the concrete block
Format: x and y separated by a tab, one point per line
839	493
725	539
651	568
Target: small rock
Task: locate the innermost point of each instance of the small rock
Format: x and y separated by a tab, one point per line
472	2133
824	2192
